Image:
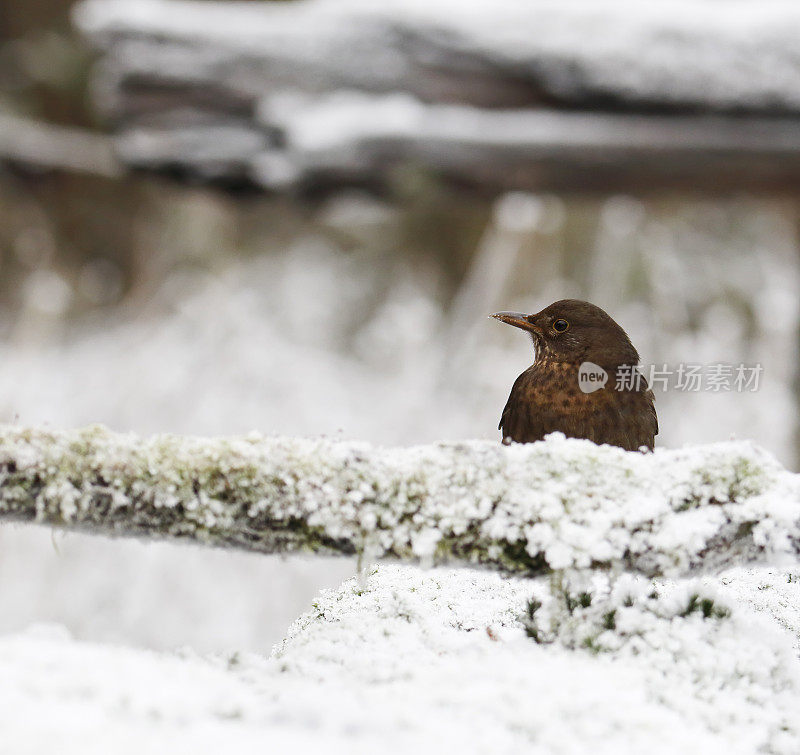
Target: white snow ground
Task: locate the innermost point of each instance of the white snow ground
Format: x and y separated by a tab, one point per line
412	661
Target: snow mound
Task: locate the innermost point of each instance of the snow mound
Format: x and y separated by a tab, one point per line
407	660
459	643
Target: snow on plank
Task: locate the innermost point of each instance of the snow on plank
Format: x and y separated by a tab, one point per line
674	96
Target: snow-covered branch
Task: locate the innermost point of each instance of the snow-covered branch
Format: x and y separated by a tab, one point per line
550	506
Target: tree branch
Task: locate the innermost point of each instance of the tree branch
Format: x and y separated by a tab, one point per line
530	509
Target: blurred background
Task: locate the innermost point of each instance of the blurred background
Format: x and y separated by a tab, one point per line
295	216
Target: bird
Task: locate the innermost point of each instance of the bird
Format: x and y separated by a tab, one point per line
584	381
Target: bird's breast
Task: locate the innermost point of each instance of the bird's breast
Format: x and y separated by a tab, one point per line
581	401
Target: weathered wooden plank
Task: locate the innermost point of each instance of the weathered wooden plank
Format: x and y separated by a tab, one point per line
589	97
368	137
40	146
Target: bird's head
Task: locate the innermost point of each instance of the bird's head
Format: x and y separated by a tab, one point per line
571	330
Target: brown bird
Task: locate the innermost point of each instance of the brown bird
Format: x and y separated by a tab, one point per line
584	380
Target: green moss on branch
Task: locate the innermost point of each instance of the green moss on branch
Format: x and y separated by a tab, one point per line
559	504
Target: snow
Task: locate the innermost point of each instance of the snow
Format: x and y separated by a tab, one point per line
645	632
330	92
315	126
415	659
730	54
559	504
236	354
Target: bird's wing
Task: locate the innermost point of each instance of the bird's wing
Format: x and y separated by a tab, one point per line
651	401
505	417
524	419
650	398
650	420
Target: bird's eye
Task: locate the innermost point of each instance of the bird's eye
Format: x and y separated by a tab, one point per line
560	326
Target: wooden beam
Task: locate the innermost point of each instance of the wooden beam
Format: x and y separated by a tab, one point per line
45	147
500	97
491	150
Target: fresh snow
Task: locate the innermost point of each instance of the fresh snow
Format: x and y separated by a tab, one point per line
413	660
645	633
561	504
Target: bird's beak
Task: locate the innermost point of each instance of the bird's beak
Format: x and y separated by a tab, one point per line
518	320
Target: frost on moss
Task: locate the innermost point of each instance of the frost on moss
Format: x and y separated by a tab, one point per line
550	506
693	664
600	613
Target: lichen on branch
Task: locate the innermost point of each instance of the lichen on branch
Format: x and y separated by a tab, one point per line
543	507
